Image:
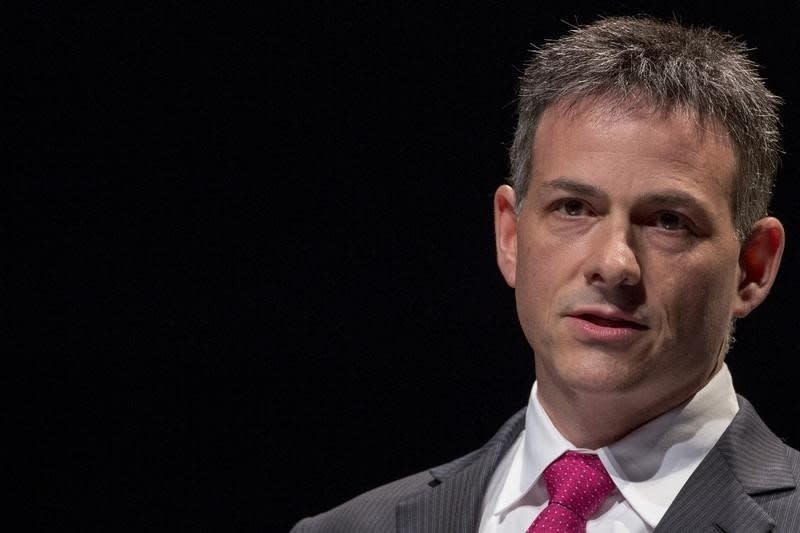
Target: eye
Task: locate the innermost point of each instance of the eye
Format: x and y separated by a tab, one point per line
670	221
572	207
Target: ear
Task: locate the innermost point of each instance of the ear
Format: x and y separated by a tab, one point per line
759	261
505	232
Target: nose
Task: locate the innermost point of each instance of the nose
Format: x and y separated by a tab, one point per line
613	261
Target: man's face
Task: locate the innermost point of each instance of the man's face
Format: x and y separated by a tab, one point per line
626	259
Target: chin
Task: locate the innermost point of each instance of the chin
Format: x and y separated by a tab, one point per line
599	373
597	383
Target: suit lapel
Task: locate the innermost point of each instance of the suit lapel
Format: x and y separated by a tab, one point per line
714	500
455	497
722	494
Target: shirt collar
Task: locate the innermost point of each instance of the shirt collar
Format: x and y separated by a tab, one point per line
649	466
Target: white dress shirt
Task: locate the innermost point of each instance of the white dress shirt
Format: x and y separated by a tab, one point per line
649	466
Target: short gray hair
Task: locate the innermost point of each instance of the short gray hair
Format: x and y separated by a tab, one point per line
665	66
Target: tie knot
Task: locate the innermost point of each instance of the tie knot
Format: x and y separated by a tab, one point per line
579	482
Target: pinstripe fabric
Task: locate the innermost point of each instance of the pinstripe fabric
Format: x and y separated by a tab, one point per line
371	511
746	484
455	504
445	499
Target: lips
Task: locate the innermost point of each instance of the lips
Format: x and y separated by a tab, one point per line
610	322
610	328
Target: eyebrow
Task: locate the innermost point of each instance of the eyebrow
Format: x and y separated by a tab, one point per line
671	198
575	187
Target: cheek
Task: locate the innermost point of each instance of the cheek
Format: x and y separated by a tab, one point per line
700	299
544	268
539	269
531	287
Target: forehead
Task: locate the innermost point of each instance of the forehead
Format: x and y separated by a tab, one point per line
603	136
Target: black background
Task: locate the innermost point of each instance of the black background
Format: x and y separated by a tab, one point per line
263	273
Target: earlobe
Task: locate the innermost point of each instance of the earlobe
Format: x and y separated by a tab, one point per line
759	261
505	230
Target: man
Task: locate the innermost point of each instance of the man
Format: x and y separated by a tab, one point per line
635	233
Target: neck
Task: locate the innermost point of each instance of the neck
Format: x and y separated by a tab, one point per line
594	419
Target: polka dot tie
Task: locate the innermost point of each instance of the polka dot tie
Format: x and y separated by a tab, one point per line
578	484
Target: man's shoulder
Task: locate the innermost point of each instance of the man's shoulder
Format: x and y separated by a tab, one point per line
755	452
377	509
793	460
774	481
748	482
782	503
371	511
749	432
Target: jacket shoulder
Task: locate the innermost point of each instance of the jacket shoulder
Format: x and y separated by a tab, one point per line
376	510
370	511
765	465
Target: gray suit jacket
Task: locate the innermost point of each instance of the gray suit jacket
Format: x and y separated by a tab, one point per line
747	483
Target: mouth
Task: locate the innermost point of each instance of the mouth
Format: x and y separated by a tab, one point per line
609	328
610	322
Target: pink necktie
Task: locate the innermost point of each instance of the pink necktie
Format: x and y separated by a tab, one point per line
578	484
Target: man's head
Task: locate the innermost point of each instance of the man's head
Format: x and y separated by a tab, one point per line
642	62
620	236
